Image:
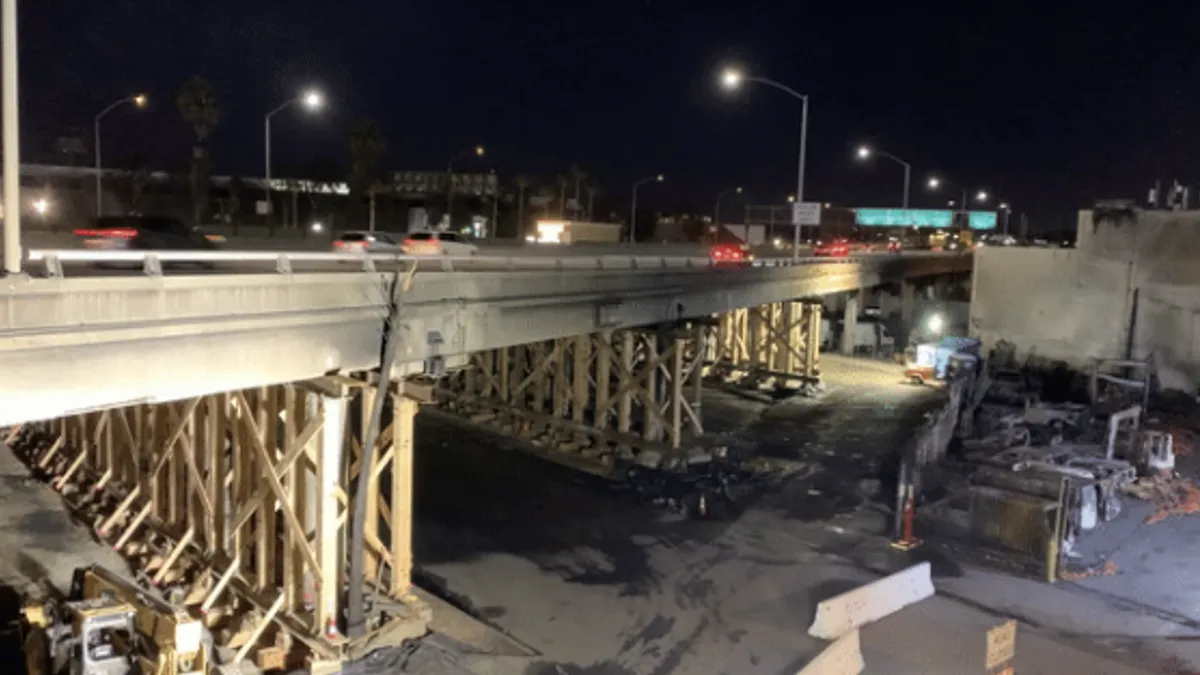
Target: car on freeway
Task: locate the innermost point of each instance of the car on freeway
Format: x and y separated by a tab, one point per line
356	241
895	245
438	243
731	253
153	233
838	248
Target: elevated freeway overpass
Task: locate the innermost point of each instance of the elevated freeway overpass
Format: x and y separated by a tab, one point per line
223	429
72	343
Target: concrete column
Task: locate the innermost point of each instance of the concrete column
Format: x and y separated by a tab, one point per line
850	322
908	308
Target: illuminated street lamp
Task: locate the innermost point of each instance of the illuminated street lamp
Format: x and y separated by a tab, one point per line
733	78
476	150
41	206
717	209
935	183
1007	209
657	178
139	101
866	152
310	99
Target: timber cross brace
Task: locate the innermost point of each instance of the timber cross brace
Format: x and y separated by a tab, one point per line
234	506
601	401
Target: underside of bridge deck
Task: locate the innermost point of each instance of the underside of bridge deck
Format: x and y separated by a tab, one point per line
601	401
236	507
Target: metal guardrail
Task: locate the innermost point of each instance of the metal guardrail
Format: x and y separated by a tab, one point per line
151	262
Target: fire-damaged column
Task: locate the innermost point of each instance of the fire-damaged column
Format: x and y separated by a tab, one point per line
850	323
594	402
774	347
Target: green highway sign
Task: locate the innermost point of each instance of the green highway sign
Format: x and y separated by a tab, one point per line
982	220
903	218
976	220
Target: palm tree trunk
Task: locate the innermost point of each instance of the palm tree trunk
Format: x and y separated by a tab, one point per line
521	213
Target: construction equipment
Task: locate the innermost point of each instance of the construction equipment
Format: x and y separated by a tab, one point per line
109	626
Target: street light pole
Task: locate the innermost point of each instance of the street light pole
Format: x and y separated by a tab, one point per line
733	78
311	99
11	139
633	208
138	100
717	208
478	150
865	152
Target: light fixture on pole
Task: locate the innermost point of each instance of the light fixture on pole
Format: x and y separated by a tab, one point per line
139	101
733	78
935	183
866	152
476	150
717	208
1007	209
312	100
657	178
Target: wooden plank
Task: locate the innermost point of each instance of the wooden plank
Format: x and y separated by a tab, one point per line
401	498
273	480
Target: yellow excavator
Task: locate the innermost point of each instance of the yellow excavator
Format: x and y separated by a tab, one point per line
109	626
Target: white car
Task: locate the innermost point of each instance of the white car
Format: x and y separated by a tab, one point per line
438	243
356	241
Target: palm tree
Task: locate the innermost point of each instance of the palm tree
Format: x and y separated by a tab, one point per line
579	177
198	104
367	147
563	181
593	188
522	183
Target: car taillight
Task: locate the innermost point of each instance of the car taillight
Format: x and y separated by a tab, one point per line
110	232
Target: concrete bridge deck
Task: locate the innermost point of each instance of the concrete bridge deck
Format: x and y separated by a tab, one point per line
74	344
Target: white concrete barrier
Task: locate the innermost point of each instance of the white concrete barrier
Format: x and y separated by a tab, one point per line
843	657
850	611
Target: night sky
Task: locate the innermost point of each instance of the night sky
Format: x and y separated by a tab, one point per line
1048	110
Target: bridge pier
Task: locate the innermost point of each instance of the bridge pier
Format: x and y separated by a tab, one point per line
599	402
590	401
774	347
236	507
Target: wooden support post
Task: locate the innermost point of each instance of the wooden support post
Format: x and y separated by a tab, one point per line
401	498
625	393
676	393
580	382
328	539
604	357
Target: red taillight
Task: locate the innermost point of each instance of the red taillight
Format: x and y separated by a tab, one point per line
110	232
416	246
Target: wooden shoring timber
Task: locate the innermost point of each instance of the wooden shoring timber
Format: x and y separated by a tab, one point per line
234	505
602	397
774	346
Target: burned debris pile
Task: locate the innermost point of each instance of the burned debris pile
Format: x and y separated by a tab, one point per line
1033	477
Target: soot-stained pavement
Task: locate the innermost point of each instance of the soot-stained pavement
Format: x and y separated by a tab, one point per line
600	584
593	579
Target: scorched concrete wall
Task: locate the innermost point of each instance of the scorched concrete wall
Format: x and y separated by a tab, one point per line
1051	303
1135	272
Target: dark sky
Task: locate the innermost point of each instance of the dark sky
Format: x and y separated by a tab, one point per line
1048	110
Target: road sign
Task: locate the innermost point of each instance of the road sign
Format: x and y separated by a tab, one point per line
1001	645
903	218
806	213
981	220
